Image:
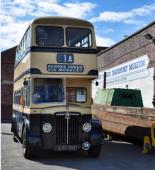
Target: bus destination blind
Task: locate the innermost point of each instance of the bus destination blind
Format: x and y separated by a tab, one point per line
65	68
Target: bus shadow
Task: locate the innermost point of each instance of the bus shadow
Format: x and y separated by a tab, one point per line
114	155
67	160
4	133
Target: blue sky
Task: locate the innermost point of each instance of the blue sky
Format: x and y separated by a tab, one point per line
112	19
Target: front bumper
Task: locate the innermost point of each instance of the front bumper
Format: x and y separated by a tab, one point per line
36	141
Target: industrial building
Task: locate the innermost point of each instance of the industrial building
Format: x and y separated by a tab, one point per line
7	69
131	64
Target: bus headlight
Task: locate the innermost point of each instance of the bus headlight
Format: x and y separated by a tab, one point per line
47	127
86	127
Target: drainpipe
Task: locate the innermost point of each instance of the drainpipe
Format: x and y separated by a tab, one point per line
150	37
153	101
104	80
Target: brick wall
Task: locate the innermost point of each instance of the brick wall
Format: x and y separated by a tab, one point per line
7	69
130	48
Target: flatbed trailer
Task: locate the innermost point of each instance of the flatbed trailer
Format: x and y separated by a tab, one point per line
135	123
121	113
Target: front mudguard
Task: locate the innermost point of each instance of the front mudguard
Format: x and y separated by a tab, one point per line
31	139
97	134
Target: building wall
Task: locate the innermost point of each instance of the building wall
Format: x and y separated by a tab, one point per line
7	69
136	51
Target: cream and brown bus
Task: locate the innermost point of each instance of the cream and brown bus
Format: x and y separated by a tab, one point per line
55	64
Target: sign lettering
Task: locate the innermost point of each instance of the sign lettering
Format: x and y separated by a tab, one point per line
133	69
65	58
65	68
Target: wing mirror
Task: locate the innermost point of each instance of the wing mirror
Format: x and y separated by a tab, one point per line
96	83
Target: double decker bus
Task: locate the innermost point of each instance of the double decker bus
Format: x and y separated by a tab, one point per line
55	64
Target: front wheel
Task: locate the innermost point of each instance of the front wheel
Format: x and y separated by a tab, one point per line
27	150
94	151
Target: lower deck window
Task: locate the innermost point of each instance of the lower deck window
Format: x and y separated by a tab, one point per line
47	90
76	94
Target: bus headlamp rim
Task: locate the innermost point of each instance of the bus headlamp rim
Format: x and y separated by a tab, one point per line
87	127
47	127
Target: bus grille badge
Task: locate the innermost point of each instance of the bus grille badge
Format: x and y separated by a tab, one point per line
67	115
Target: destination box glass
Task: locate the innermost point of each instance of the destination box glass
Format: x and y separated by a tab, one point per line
65	68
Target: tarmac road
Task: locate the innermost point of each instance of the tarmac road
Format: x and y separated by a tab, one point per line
114	156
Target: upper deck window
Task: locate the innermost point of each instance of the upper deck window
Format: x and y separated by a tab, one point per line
49	36
79	37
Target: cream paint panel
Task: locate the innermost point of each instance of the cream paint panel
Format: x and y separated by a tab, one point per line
62	76
22	66
54	109
18	108
40	61
18	84
70	108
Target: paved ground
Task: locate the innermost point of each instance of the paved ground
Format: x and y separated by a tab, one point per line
114	156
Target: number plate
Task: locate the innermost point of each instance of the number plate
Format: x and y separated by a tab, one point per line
67	148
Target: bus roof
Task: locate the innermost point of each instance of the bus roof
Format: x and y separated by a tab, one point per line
62	21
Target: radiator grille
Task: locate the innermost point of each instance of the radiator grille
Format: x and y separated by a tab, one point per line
67	128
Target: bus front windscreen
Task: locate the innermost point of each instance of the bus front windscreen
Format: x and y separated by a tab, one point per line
48	90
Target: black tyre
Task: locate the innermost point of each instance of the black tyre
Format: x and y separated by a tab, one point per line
14	130
27	150
94	151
